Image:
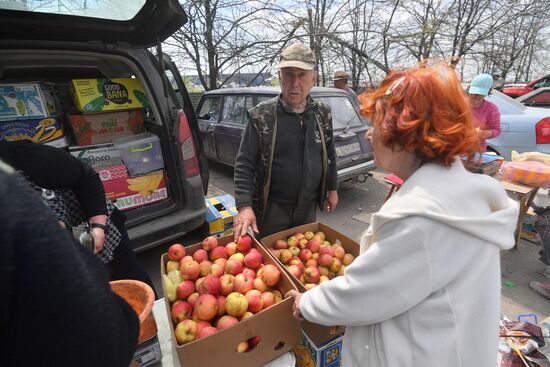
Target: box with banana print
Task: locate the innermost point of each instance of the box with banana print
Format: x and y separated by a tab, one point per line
134	192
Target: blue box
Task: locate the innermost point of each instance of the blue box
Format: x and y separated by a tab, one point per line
28	101
39	130
220	211
328	354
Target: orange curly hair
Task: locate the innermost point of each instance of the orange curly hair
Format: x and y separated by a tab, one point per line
424	110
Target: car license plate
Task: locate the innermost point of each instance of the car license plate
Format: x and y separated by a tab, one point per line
346	150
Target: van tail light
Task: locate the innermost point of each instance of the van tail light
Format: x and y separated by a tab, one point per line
188	152
543	131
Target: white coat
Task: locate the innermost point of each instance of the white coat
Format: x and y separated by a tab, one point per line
425	291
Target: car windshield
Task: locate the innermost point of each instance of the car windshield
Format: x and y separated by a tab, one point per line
103	9
343	114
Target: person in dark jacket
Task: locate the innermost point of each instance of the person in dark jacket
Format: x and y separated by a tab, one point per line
56	306
73	190
286	164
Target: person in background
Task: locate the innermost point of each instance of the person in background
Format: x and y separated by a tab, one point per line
425	289
73	190
286	164
498	82
541	205
486	114
56	306
340	81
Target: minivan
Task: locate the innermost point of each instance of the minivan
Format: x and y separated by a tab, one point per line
55	44
222	116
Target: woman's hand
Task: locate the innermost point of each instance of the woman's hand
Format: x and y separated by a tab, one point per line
99	239
296	307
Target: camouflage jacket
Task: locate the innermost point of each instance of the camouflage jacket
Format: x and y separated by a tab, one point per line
254	160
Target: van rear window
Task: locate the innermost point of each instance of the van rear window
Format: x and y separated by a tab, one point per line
113	10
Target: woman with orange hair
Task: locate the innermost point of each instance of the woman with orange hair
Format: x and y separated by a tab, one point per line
425	290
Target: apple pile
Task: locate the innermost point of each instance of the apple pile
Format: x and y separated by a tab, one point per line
218	286
311	258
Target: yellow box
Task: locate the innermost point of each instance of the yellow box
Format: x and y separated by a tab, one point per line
100	95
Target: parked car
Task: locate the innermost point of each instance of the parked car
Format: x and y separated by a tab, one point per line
523	129
521	90
222	119
538	98
56	44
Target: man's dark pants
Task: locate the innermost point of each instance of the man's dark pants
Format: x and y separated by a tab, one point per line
280	216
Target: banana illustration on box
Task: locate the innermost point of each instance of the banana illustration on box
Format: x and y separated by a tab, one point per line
145	185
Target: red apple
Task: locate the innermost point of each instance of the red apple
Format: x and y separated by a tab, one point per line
204	268
209	330
190	270
216	270
339	252
293	241
305	254
221	262
209	243
311	275
210	285
281	245
186	331
323	270
201	325
255	340
253	259
192	299
326	250
260	285
206	307
271	275
294	270
231	248
249	273
181	310
311	262
325	260
314	245
186	259
268	298
221	306
185	289
243	283
218	252
255	302
226	281
233	267
226	321
200	255
176	252
321	235
296	261
245	244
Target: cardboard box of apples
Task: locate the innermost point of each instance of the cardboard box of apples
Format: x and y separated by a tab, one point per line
225	300
312	254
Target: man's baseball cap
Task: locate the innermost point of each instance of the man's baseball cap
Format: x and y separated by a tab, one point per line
297	56
339	75
481	84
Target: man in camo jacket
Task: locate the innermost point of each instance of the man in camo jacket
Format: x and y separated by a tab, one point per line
286	164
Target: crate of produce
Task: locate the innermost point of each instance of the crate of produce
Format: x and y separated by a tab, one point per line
95	154
220	212
311	254
135	192
103	95
105	127
226	303
141	153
